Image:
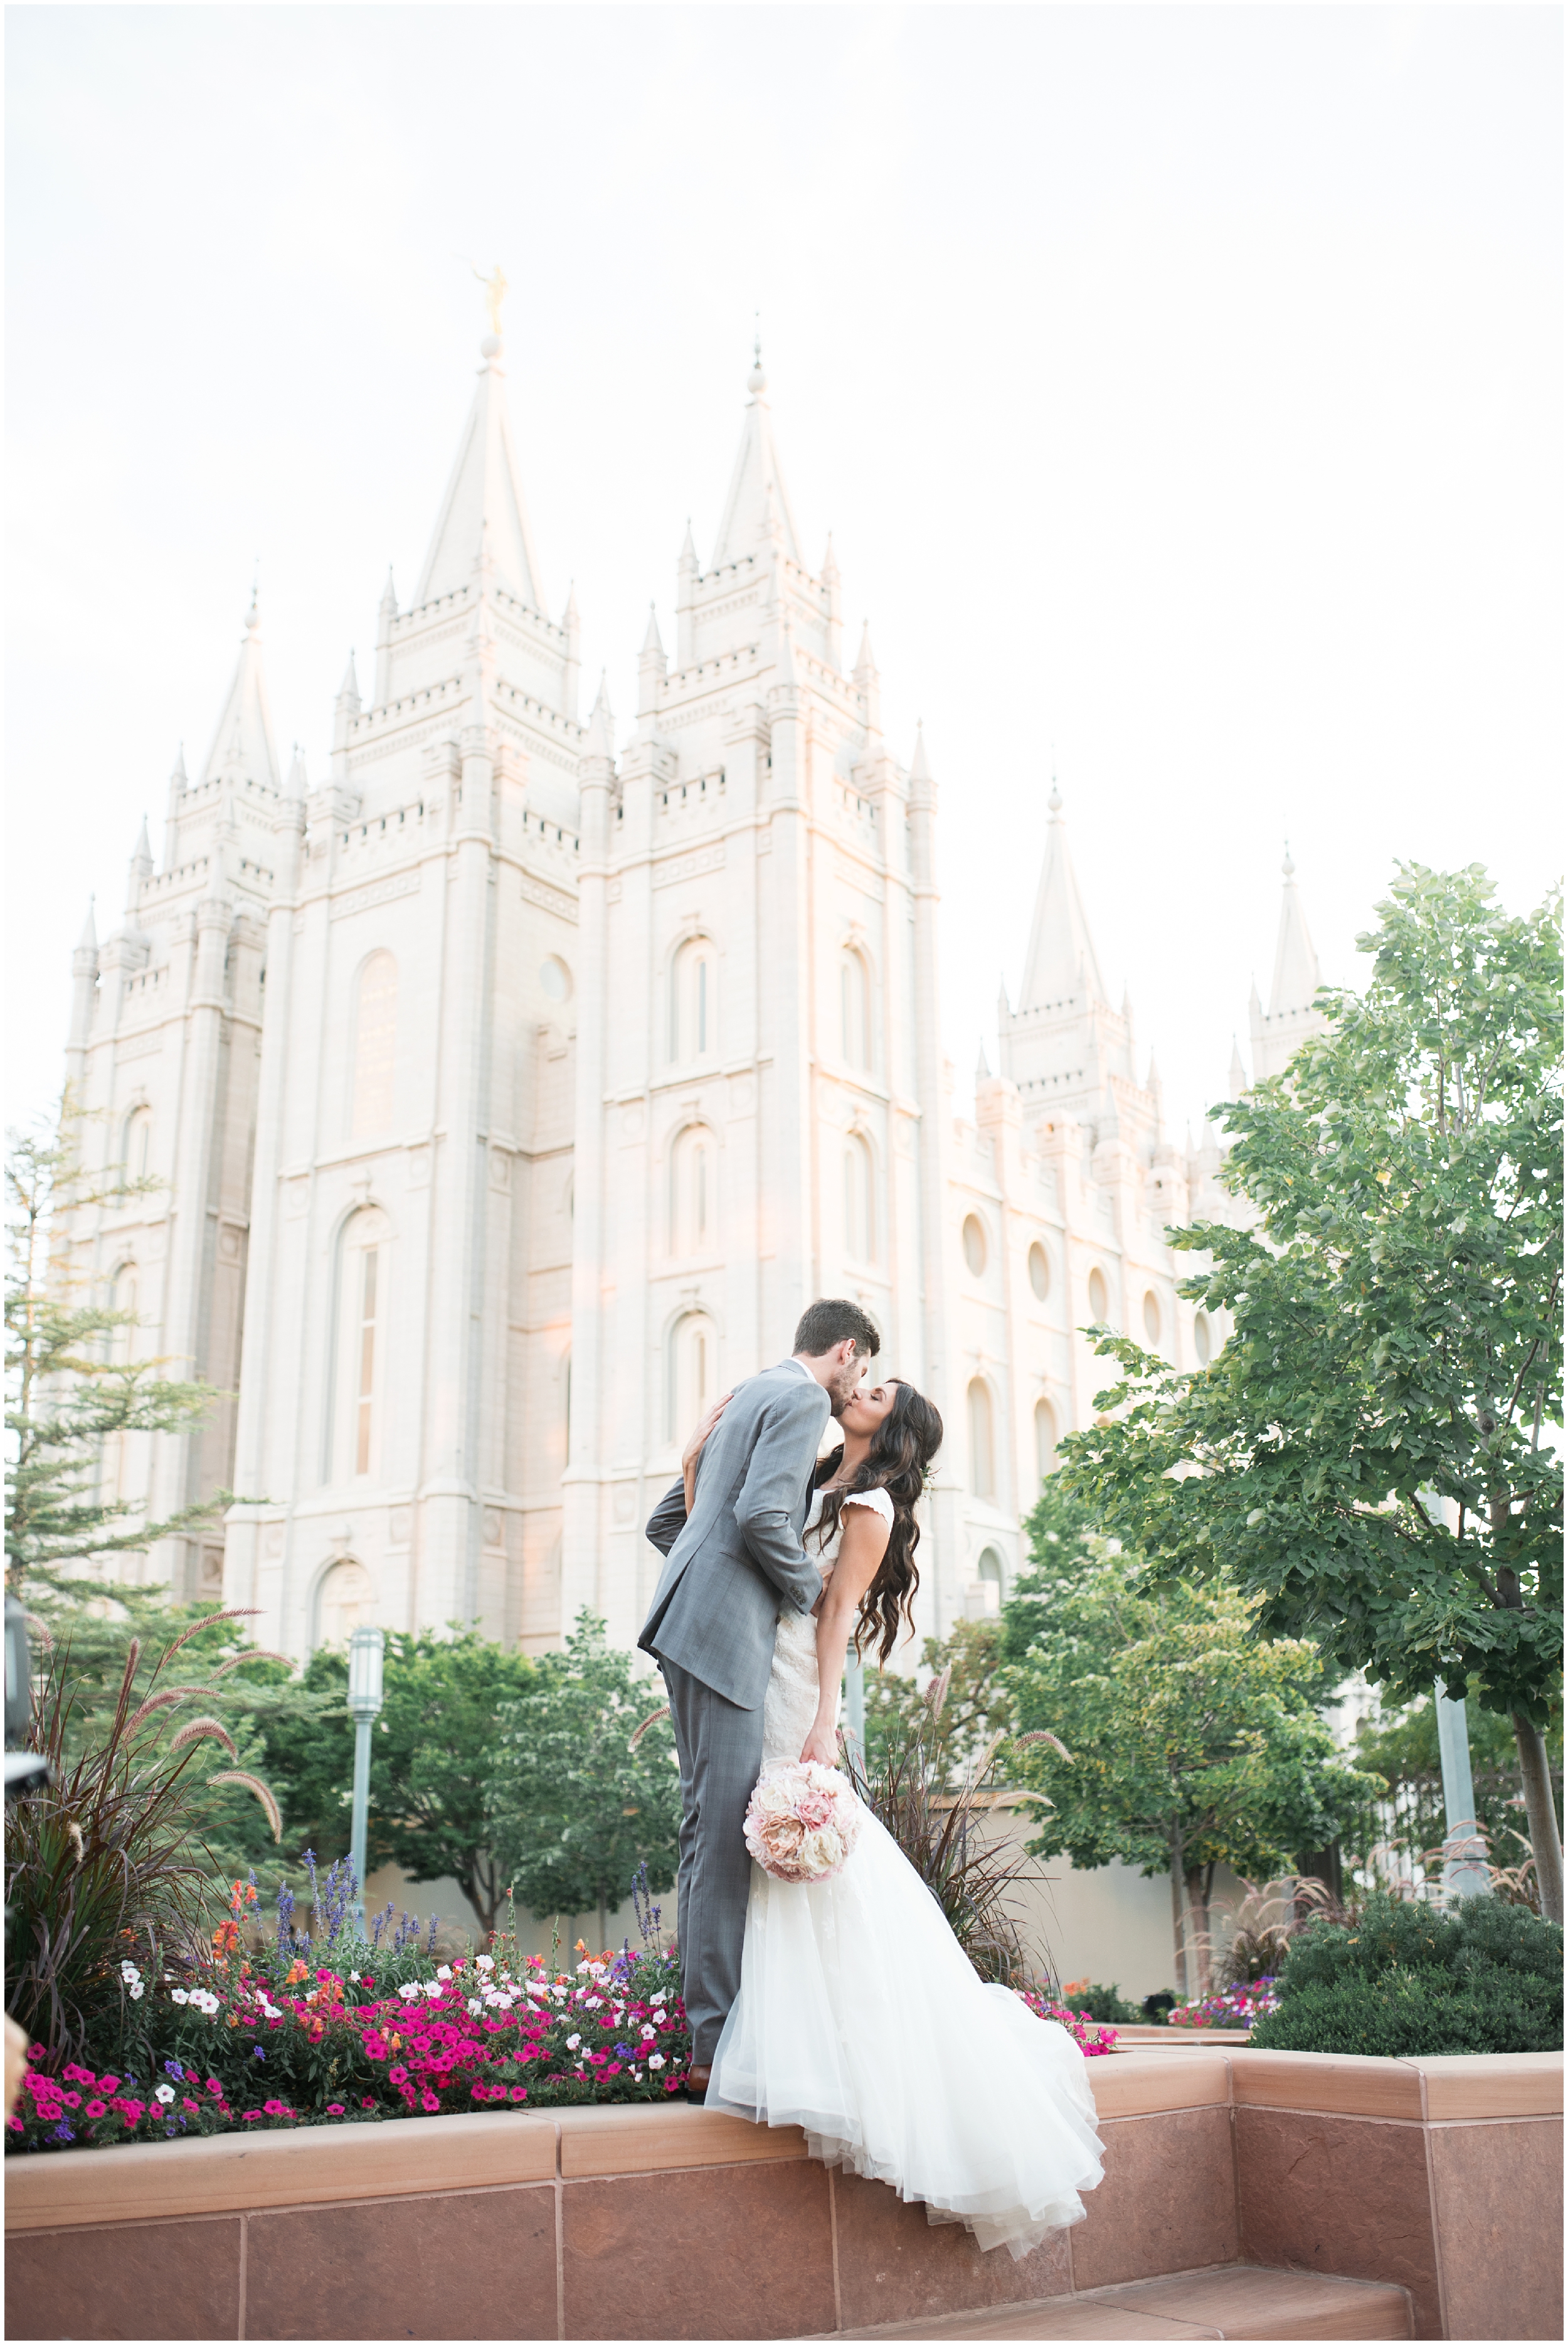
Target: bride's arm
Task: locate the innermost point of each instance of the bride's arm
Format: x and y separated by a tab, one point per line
694	1448
860	1554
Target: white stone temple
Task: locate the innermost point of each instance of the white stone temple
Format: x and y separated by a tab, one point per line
509	1089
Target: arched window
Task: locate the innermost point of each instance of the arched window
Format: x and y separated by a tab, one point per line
992	1580
1201	1342
1151	1316
375	1046
981	1446
360	1346
343	1599
859	1201
694	1191
556	978
854	1003
974	1244
135	1142
692	1381
1099	1297
1039	1271
694	1001
1045	1439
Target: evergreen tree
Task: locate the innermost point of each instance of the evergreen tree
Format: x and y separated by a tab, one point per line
71	1384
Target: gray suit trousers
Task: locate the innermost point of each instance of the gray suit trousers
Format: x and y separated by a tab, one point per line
720	1746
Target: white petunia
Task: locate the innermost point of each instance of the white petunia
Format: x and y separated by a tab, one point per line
572	2042
647	2030
138	1991
434	1989
410	1990
445	1971
485	1962
475	2006
179	1996
164	2093
655	2059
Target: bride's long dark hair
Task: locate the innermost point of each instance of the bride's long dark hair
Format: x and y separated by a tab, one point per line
902	1447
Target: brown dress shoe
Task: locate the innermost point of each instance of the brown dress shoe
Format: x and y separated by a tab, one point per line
697	2079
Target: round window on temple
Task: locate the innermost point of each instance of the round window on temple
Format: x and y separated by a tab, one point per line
974	1245
1039	1271
1201	1344
1099	1297
1151	1316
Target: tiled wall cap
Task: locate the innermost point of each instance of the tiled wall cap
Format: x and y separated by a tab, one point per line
1140	2083
152	2182
644	2138
1489	2084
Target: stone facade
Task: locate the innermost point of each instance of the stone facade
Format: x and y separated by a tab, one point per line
511	1089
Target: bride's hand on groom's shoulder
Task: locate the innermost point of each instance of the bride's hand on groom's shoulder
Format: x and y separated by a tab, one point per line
693	1446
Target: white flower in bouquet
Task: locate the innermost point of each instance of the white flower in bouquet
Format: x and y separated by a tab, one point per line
801	1822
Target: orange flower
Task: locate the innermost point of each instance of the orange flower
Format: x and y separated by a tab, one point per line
297	1971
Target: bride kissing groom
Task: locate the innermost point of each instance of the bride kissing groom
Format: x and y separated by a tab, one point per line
843	2005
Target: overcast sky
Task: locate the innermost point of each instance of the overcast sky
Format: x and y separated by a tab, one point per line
1183	387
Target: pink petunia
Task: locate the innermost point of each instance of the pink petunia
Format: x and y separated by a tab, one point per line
274	2110
429	2102
75	2075
105	2084
194	2106
72	2100
96	2109
250	2117
399	2076
214	2087
336	2109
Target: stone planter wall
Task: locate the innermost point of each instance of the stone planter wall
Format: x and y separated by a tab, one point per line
680	2223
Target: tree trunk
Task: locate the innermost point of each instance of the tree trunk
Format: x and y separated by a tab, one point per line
1178	1923
1197	1887
1541	1811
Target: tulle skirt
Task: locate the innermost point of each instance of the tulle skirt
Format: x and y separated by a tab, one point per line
860	2018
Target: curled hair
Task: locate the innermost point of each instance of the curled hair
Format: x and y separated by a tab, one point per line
902	1448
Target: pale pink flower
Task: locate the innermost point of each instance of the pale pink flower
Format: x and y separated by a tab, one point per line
801	1822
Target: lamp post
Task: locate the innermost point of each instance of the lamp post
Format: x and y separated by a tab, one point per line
367	1648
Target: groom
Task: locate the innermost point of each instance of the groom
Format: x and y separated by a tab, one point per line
730	1566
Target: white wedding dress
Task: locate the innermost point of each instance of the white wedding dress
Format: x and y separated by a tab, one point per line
861	2019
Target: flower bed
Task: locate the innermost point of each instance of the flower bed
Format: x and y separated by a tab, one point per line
265	2036
253	2043
1236	2006
1087	2033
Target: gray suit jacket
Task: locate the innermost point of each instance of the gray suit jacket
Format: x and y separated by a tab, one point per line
739	1554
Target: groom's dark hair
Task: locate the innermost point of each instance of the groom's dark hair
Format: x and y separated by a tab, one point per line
827	1322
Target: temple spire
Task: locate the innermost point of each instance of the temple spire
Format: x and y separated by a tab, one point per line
483	502
242	746
1061	961
757	512
1296	979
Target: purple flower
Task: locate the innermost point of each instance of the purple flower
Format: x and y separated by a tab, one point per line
173	2068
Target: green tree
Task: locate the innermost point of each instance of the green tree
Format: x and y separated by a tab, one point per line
71	1386
579	1796
975	1706
1172	1735
431	1755
1364	1457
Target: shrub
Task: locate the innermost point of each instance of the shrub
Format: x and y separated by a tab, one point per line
106	1878
1107	2003
1407	1979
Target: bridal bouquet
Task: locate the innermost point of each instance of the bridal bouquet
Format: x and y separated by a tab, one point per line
801	1822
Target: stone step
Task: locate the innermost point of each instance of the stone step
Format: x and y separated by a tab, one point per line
1242	2300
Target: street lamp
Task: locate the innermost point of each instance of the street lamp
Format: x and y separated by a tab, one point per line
366	1650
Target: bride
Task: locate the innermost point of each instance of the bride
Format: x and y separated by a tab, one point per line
859	2016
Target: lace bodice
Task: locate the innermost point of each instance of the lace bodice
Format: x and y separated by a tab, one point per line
790	1702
